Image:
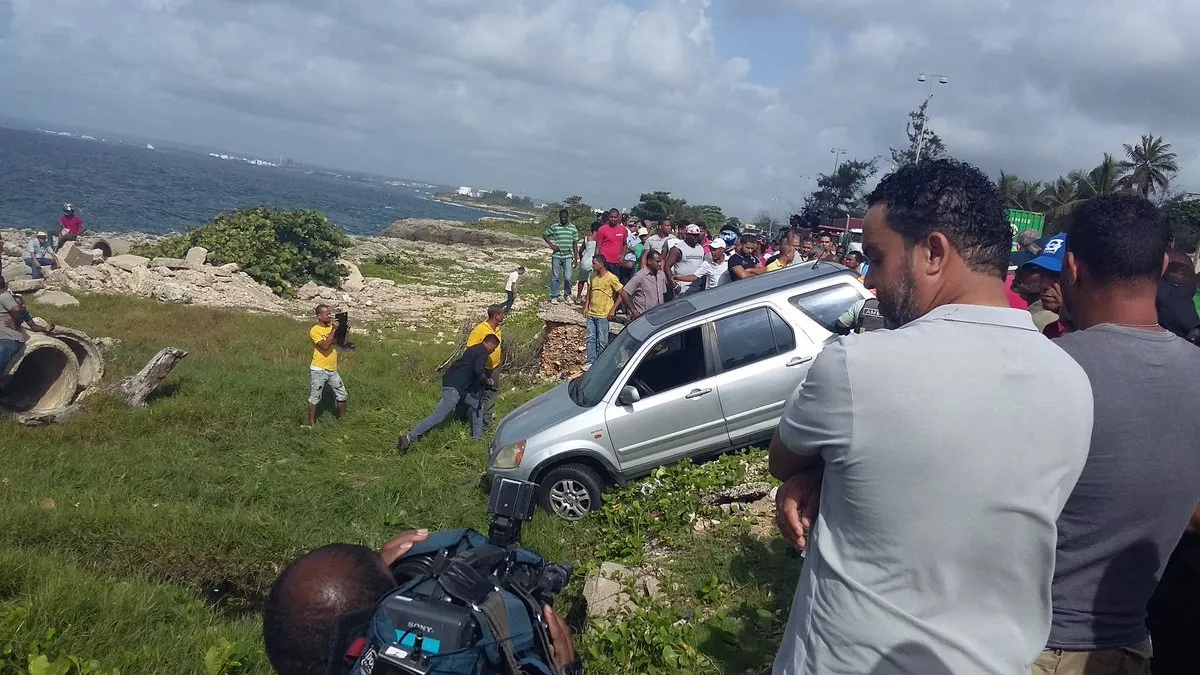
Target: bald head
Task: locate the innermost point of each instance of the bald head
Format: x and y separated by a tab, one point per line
309	599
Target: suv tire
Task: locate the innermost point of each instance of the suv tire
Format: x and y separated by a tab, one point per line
571	491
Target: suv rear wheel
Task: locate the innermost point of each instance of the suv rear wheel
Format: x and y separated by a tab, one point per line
571	491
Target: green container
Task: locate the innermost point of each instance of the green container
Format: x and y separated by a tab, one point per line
1025	220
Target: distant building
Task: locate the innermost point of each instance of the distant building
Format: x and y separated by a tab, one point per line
508	195
465	191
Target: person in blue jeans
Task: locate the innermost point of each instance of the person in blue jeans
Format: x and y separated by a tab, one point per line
12	315
563	240
39	253
600	306
461	382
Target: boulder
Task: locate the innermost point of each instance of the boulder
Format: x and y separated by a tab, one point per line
26	285
128	261
610	588
17	270
196	256
174	293
13	250
170	263
308	291
55	299
164	271
354	282
74	256
230	268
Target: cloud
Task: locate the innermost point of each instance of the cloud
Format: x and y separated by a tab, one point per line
608	99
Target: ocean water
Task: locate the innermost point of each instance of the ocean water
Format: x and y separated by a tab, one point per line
123	188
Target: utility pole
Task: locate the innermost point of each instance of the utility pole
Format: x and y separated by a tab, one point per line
922	77
837	158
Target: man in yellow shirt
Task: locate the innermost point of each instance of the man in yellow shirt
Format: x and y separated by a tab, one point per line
487	397
787	254
599	307
323	368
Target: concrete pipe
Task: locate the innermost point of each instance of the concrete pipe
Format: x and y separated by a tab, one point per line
44	376
91	363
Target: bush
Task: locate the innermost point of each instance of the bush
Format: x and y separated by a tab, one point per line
280	249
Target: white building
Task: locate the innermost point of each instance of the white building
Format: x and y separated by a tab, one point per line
465	191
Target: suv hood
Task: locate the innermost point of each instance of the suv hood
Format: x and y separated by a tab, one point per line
536	416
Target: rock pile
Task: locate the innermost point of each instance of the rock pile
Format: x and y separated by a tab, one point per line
611	588
564	347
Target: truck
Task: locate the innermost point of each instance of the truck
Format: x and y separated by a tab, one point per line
1025	220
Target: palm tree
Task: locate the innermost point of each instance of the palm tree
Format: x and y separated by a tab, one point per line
1061	196
1028	196
1008	185
1150	166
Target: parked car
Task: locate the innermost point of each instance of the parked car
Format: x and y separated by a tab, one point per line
695	377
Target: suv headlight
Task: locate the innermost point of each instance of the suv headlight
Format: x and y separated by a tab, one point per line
509	456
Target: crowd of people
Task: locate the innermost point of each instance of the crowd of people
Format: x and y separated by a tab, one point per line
1008	481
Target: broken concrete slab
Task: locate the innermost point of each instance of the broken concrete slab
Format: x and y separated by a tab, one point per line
196	256
128	261
55	298
26	285
74	256
170	263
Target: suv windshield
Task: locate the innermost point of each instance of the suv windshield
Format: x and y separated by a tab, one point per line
589	389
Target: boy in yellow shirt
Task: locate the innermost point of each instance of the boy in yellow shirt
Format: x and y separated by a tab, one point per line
487	397
323	368
600	306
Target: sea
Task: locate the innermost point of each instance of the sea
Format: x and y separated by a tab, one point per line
128	187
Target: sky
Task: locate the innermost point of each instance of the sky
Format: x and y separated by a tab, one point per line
731	102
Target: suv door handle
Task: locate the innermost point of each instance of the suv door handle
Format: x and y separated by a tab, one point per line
697	393
799	361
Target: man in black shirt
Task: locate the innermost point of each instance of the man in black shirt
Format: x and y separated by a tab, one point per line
746	263
1176	311
461	382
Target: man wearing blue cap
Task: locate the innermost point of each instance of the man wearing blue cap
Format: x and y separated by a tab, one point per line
1040	276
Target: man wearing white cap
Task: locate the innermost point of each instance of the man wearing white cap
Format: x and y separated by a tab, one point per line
684	259
38	254
711	273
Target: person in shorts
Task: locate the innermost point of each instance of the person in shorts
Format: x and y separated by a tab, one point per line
323	369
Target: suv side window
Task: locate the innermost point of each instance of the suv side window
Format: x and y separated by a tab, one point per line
827	304
752	336
674	361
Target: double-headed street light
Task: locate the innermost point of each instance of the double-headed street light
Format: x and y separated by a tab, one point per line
922	77
837	157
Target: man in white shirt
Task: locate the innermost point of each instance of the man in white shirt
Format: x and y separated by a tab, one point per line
711	273
510	287
930	535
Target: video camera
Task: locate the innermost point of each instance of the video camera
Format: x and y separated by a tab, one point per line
468	604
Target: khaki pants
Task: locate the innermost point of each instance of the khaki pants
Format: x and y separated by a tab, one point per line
1133	660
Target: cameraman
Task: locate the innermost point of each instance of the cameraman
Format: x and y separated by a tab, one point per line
318	593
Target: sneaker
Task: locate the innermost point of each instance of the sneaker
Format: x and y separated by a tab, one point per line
306	426
554	301
403	445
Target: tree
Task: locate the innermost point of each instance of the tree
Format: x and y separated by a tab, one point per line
1183	217
1028	196
1102	180
838	194
1061	196
916	129
658	205
579	213
712	216
735	223
766	222
1009	186
1150	166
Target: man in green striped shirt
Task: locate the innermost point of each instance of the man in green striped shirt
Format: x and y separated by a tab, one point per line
563	240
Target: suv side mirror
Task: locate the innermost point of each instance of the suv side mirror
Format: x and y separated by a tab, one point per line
629	395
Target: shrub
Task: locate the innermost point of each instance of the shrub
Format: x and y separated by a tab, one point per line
280	249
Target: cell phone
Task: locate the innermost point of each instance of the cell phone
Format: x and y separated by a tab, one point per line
343	318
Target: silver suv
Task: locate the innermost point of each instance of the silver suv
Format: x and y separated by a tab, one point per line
698	376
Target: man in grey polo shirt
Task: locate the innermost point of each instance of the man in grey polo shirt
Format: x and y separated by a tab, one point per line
932	536
1142	477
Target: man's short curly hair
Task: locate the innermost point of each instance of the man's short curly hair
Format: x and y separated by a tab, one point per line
953	198
1119	237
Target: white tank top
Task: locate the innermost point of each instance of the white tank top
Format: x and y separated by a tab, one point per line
691	260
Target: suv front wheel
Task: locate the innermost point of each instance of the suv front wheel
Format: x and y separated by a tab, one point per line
571	491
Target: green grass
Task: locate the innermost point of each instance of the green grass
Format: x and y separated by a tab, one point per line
116	526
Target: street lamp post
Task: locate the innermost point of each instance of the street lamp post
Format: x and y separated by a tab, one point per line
922	77
837	157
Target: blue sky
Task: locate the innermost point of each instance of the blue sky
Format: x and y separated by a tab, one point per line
733	102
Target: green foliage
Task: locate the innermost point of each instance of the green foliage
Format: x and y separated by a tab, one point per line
223	658
662	507
1183	216
281	249
659	204
645	639
1149	165
838	194
916	129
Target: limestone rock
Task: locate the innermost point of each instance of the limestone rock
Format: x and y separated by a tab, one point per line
205	280
17	270
107	344
196	256
170	263
55	299
609	588
12	250
128	261
230	268
741	494
170	292
74	256
164	271
308	291
26	285
354	282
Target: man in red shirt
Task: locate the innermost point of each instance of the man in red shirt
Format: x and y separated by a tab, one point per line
70	227
611	241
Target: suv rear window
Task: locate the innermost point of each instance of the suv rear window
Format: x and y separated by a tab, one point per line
827	304
752	336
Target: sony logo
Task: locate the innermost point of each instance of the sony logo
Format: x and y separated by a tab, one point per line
414	624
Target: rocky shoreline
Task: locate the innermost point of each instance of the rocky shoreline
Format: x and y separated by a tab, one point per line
90	269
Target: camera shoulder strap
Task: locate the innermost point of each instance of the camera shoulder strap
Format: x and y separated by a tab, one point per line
496	613
540	635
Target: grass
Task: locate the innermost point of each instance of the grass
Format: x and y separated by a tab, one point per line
145	540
